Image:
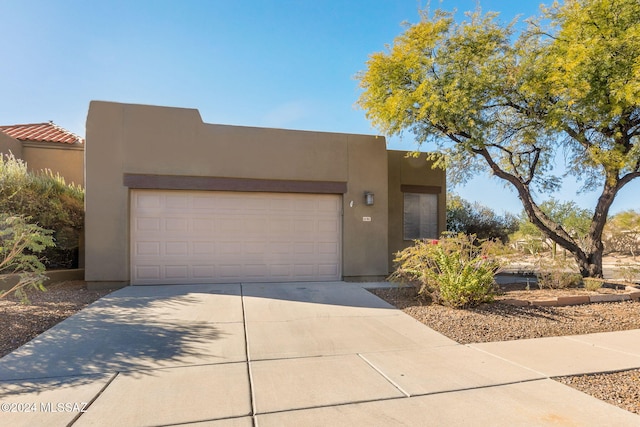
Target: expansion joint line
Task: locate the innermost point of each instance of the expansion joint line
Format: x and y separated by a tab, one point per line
252	397
113	377
385	376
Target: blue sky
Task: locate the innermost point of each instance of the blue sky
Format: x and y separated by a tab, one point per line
272	63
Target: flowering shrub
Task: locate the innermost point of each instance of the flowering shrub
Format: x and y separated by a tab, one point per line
456	271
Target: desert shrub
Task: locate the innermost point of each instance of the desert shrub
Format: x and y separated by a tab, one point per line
628	272
50	202
456	271
591	284
557	274
20	244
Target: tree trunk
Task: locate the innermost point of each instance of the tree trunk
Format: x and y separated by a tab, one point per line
589	257
591	265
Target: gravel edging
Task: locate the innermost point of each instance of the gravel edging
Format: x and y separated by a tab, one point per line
621	389
503	322
23	322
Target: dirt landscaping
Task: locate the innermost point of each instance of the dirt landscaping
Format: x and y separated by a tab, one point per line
23	322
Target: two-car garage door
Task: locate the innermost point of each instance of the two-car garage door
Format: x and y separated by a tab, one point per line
222	237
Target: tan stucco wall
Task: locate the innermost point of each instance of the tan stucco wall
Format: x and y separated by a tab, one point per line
65	160
8	144
365	242
409	170
137	139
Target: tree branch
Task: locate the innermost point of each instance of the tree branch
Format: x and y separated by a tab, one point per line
550	228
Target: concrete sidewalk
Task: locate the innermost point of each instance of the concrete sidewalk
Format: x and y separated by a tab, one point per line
306	354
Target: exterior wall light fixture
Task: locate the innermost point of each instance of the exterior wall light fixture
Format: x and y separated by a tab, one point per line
368	198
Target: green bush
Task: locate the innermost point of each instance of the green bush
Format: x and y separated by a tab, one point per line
456	271
20	242
50	202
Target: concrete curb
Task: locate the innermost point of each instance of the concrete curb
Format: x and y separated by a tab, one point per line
631	293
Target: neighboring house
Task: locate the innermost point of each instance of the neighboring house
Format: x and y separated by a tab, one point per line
46	146
170	199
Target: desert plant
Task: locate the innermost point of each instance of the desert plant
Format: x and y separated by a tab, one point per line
629	272
456	271
591	284
49	201
20	244
557	274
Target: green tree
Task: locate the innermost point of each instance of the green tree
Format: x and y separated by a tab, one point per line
482	221
20	244
490	96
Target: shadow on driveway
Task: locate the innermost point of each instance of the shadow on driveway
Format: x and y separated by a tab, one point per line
143	328
134	330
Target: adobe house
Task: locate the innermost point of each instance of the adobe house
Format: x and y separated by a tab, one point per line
172	200
46	146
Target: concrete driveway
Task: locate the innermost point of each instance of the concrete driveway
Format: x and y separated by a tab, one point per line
302	354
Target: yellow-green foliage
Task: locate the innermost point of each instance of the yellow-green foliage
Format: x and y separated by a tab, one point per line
507	98
573	219
455	271
46	199
593	63
557	273
20	244
480	85
592	284
622	233
558	279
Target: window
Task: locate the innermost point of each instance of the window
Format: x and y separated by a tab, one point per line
420	216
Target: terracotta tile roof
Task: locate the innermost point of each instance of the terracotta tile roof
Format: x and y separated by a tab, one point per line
41	132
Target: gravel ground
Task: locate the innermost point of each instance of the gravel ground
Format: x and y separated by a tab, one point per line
503	322
619	388
23	322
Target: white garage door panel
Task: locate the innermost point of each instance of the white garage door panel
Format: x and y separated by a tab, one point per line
213	237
